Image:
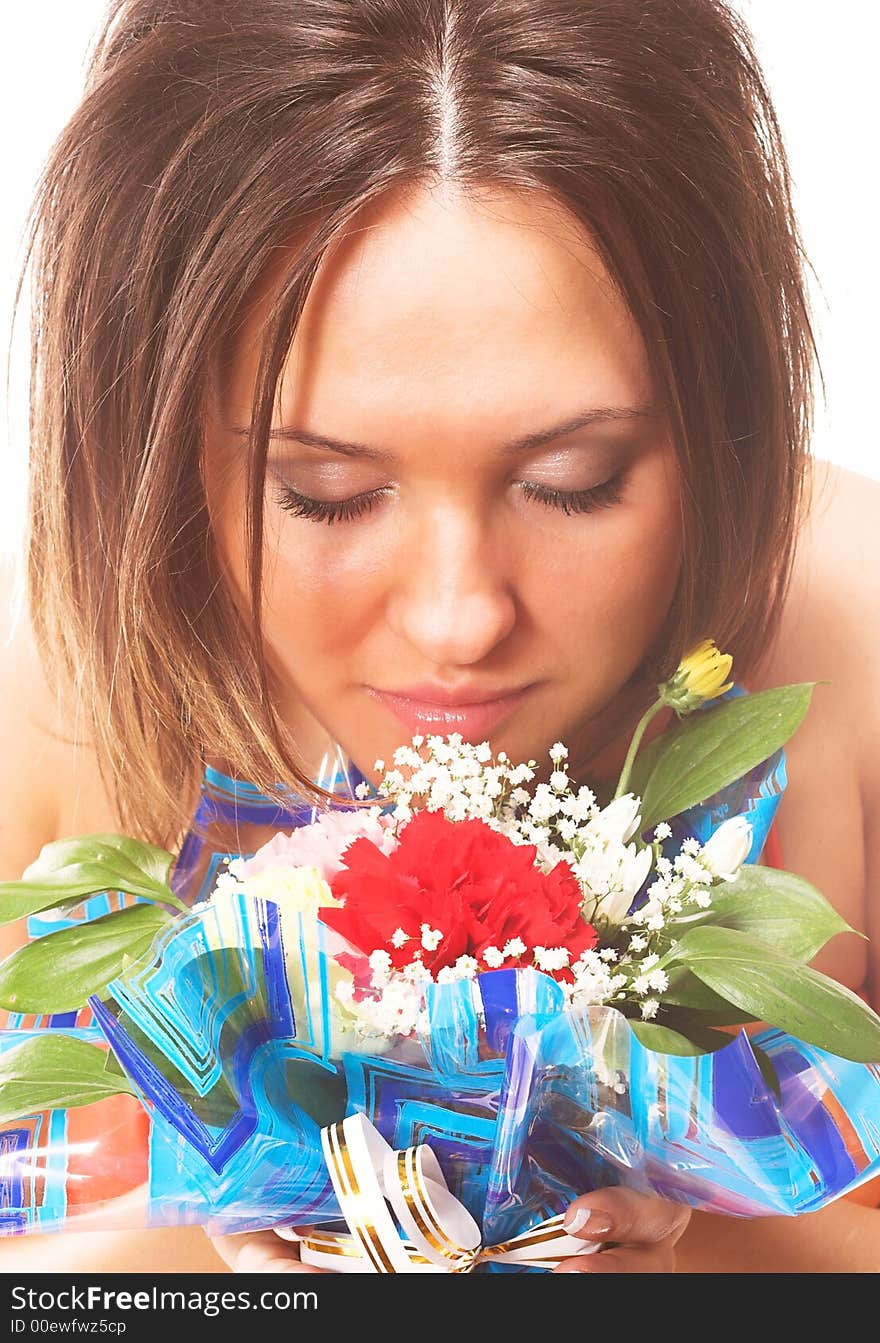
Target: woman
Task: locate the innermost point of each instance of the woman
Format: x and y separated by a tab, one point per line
443	363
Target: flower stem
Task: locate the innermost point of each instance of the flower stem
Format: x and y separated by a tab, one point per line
634	746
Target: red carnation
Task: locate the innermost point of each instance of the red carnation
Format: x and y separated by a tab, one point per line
462	879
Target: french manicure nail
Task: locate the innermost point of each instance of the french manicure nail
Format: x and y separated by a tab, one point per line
574	1220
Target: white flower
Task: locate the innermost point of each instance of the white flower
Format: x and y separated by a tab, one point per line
493	957
544	804
558	751
633	866
650	1008
581	807
465	968
405	755
515	947
559	780
651	915
593	981
551	958
431	937
619	821
690	868
637	942
701	897
662	831
379	766
658	980
727	850
380	964
641	985
416	971
398	938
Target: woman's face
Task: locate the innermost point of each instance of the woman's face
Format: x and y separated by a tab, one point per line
468	493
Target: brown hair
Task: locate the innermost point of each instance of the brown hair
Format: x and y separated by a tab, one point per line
210	131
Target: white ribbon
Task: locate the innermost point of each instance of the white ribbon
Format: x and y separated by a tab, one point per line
438	1233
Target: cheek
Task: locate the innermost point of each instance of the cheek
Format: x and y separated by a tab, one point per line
610	587
318	596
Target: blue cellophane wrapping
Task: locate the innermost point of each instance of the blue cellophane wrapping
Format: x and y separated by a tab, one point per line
525	1105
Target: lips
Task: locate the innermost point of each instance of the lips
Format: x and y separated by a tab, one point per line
423	709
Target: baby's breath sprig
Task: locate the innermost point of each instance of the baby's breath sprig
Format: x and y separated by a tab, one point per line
451	775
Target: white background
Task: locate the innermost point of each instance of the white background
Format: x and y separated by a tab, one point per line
820	63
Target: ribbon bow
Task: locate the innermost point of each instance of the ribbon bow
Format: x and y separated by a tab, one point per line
433	1233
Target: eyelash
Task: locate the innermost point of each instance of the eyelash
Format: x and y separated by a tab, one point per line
346	510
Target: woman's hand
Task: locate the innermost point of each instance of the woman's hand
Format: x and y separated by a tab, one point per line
643	1232
260	1252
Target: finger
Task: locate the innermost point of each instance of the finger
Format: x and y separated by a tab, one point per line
260	1252
292	1233
626	1216
624	1259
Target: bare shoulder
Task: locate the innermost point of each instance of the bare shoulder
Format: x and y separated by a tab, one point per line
49	781
829	632
830	626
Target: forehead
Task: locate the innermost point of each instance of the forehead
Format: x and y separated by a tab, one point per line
455	308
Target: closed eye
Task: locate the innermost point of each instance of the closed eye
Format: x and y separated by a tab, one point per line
348	510
327	510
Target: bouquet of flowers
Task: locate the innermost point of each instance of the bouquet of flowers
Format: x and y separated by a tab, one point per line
424	1022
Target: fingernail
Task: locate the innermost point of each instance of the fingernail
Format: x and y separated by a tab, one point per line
600	1222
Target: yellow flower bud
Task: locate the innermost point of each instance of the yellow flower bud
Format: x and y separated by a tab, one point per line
699	676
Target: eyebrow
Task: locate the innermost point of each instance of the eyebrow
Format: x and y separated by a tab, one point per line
528	442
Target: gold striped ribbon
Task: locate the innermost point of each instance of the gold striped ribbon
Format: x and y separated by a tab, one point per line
402	1217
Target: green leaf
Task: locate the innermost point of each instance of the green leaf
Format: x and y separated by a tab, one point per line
217	1107
687	992
53	1071
664	1040
57	973
321	1093
781	991
778	908
768	1069
133	857
68	870
714	747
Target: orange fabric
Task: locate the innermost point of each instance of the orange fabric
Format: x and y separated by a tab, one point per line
867	1194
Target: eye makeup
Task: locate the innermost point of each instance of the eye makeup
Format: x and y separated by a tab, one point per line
330	511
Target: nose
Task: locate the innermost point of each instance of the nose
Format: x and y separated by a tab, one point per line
452	599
